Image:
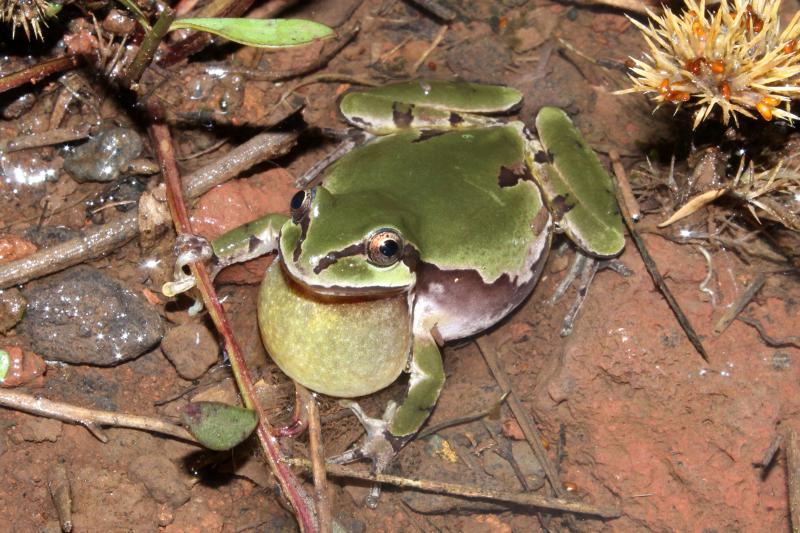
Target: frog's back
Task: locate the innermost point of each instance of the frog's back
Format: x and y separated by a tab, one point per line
464	199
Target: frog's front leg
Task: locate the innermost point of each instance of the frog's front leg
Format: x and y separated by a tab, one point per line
387	436
243	243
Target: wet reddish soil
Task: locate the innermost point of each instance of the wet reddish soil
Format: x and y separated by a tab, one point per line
633	416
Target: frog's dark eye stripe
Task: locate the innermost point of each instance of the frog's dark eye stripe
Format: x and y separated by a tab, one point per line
300	203
384	247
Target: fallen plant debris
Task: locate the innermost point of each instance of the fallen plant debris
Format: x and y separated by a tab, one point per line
736	59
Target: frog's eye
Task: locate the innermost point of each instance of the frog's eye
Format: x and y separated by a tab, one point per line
300	203
384	247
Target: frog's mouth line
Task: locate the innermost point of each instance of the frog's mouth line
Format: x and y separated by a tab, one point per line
340	292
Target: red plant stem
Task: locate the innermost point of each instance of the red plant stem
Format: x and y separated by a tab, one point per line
292	488
299	421
37	72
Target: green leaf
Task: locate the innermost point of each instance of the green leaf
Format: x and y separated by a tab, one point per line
218	426
262	33
5	361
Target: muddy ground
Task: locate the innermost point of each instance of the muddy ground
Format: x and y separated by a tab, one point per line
633	416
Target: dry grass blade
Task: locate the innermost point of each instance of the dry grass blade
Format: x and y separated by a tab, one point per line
693	205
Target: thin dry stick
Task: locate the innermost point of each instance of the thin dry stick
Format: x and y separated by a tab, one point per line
36	73
89	418
740	303
430	430
637	6
768	339
46	138
452	489
625	189
60	491
529	429
105	238
317	461
436	40
792	475
651	266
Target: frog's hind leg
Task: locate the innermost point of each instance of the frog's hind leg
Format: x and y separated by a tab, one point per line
584	267
387	436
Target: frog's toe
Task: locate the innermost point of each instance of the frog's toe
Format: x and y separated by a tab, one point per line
379	446
188	249
583	270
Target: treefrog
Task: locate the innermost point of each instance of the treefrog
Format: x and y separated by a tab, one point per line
434	229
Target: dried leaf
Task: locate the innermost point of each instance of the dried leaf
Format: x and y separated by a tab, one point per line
693	205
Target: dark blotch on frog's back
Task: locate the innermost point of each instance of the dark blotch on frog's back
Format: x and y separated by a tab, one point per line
428	134
455	119
402	114
560	206
510	176
543	157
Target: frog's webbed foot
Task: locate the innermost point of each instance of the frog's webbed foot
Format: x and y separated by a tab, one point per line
584	267
188	249
380	447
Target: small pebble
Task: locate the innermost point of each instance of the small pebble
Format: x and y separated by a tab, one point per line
161	478
103	157
37	430
192	349
12	308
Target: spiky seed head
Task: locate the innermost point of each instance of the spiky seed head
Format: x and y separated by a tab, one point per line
736	59
30	14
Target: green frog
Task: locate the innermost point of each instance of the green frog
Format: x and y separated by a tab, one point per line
434	229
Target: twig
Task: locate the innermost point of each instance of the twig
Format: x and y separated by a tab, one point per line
47	138
529	429
452	489
437	9
317	460
637	6
625	189
740	303
292	488
105	238
792	473
769	340
326	77
58	484
651	266
461	419
436	40
36	73
89	418
147	50
770	453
